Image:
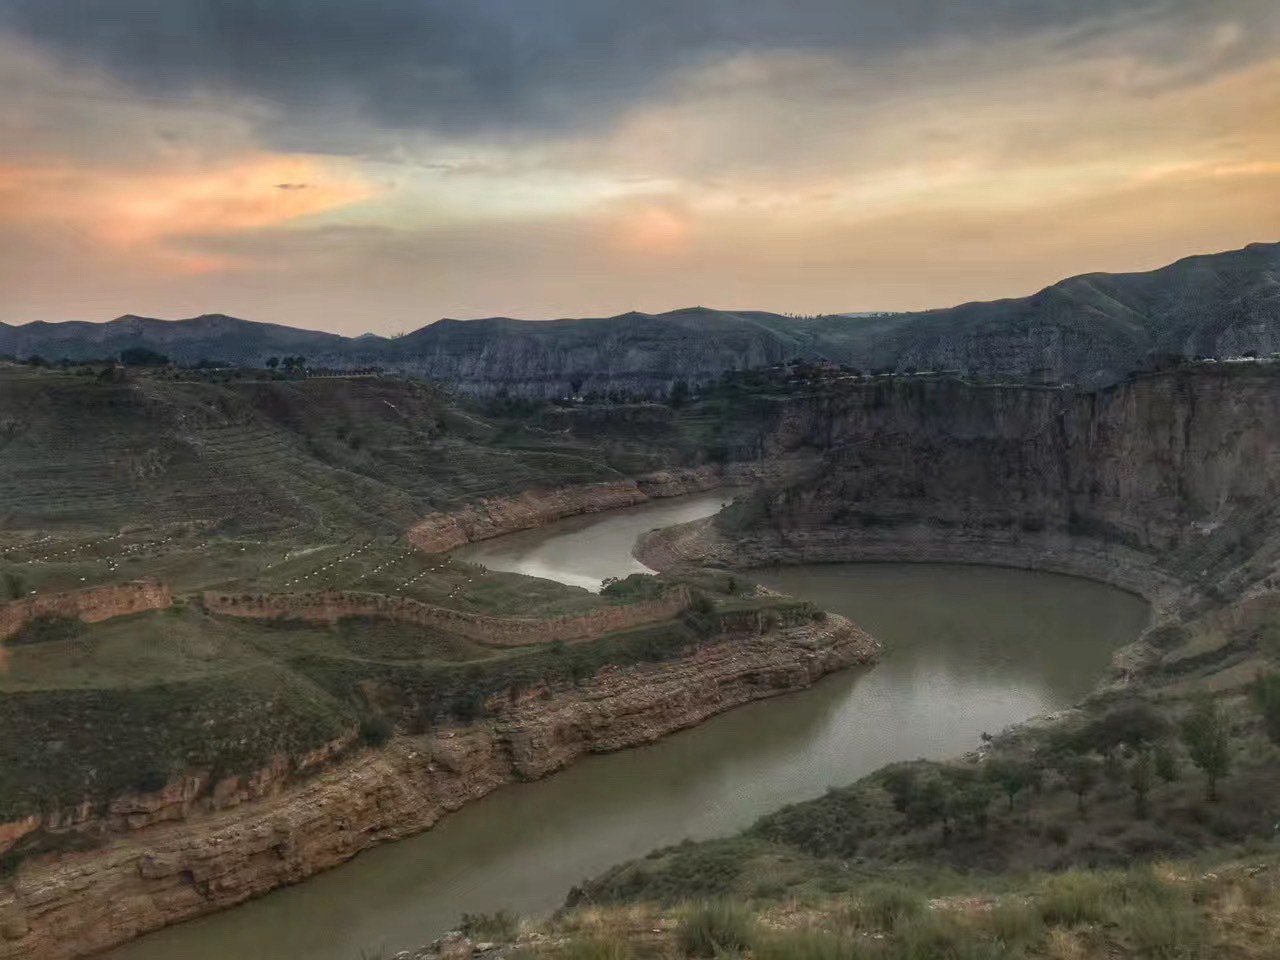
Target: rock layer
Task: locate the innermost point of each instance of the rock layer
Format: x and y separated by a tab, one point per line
75	904
91	605
332	605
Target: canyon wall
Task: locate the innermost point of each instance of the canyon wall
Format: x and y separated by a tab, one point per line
77	903
1165	485
497	516
493	517
332	605
91	605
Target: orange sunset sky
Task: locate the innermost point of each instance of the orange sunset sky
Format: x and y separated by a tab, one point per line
378	165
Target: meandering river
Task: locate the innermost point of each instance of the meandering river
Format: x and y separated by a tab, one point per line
967	650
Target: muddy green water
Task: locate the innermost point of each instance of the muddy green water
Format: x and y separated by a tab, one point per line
967	649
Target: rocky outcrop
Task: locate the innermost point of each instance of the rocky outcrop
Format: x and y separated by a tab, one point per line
493	517
332	605
497	516
1165	485
76	904
1173	470
91	605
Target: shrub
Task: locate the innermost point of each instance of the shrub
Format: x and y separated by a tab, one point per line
15	587
375	730
711	929
47	628
502	926
1133	724
769	890
637	586
151	779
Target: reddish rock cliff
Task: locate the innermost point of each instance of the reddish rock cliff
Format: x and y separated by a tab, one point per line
147	877
91	605
331	606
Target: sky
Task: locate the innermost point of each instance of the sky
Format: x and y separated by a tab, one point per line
374	165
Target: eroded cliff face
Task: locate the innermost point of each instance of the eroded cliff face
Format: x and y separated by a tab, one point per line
497	516
1177	472
333	605
92	605
153	871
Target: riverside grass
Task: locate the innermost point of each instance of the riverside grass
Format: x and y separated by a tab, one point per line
1216	906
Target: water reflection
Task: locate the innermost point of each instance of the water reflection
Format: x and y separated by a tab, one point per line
582	551
968	649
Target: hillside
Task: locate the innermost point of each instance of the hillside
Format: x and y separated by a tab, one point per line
232	625
1090	330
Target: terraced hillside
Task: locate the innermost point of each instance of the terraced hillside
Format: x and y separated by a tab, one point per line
250	455
209	593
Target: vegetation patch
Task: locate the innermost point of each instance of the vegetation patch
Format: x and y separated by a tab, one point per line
46	628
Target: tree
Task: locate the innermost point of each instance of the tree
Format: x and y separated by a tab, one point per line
273	362
1266	696
1166	763
1012	776
1141	779
1082	776
142	357
1113	765
900	784
970	802
679	393
930	802
1207	735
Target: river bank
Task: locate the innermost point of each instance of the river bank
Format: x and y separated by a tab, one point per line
703	543
79	903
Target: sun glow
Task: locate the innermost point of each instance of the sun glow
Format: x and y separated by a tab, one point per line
153	212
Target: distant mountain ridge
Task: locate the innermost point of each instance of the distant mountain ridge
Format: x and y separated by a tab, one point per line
1090	329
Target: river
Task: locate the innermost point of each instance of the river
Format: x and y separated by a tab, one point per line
967	650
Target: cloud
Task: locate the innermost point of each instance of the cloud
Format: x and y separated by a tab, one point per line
154	214
503	65
378	165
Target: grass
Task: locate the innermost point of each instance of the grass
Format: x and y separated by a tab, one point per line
1215	907
715	928
814	945
598	948
1076	897
885	906
126	705
500	925
881	827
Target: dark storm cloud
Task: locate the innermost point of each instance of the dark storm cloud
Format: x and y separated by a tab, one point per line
466	65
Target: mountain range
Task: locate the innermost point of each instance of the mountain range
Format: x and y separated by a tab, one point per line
1090	329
